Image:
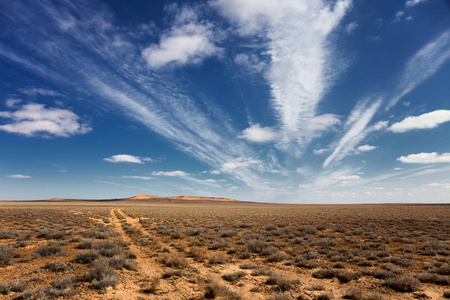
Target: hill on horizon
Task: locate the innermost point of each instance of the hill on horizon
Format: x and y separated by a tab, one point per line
150	197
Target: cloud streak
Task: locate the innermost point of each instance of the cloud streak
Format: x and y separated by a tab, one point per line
425	121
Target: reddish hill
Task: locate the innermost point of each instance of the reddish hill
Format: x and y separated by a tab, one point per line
142	197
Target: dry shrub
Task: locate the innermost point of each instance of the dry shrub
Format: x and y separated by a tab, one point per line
215	289
281	297
218	260
324	296
247	266
325	273
447	294
52	248
86	256
57	266
171	272
6	253
234	277
7	287
174	261
282	283
353	293
152	287
197	253
101	275
404	284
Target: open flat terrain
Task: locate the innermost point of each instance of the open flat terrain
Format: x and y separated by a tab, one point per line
183	249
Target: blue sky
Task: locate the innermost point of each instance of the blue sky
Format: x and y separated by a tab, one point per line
277	101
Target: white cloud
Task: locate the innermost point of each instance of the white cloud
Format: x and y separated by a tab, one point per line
241	162
411	3
351	177
215	172
320	151
424	121
119	158
251	62
398	169
211	180
444	185
297	34
365	148
351	27
357	130
258	134
171	173
34	119
138	177
423	65
11	102
425	158
18	176
38	91
187	42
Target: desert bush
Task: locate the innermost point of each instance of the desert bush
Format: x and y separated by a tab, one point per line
171	272
218	260
6	253
256	246
118	262
197	253
316	287
8	234
324	296
62	284
52	248
325	273
152	287
307	264
215	289
353	293
85	244
247	266
234	277
433	278
374	296
57	266
282	283
174	261
7	287
383	274
276	257
280	297
404	284
101	275
86	256
108	248
447	294
260	271
347	277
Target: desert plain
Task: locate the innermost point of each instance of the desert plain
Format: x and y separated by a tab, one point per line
148	247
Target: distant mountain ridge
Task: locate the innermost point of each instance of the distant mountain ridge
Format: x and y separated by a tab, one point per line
151	197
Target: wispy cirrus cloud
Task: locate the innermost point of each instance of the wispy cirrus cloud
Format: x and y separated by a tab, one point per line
137	177
127	158
177	173
35	119
18	176
39	91
299	70
424	64
258	134
356	128
425	121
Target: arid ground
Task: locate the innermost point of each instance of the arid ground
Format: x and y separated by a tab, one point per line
182	249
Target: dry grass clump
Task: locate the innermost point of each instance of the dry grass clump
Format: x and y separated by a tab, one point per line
215	289
247	266
174	261
6	253
171	272
52	248
86	256
119	262
447	294
324	296
234	277
57	266
353	293
405	284
197	253
152	286
7	287
283	284
101	275
325	273
218	259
